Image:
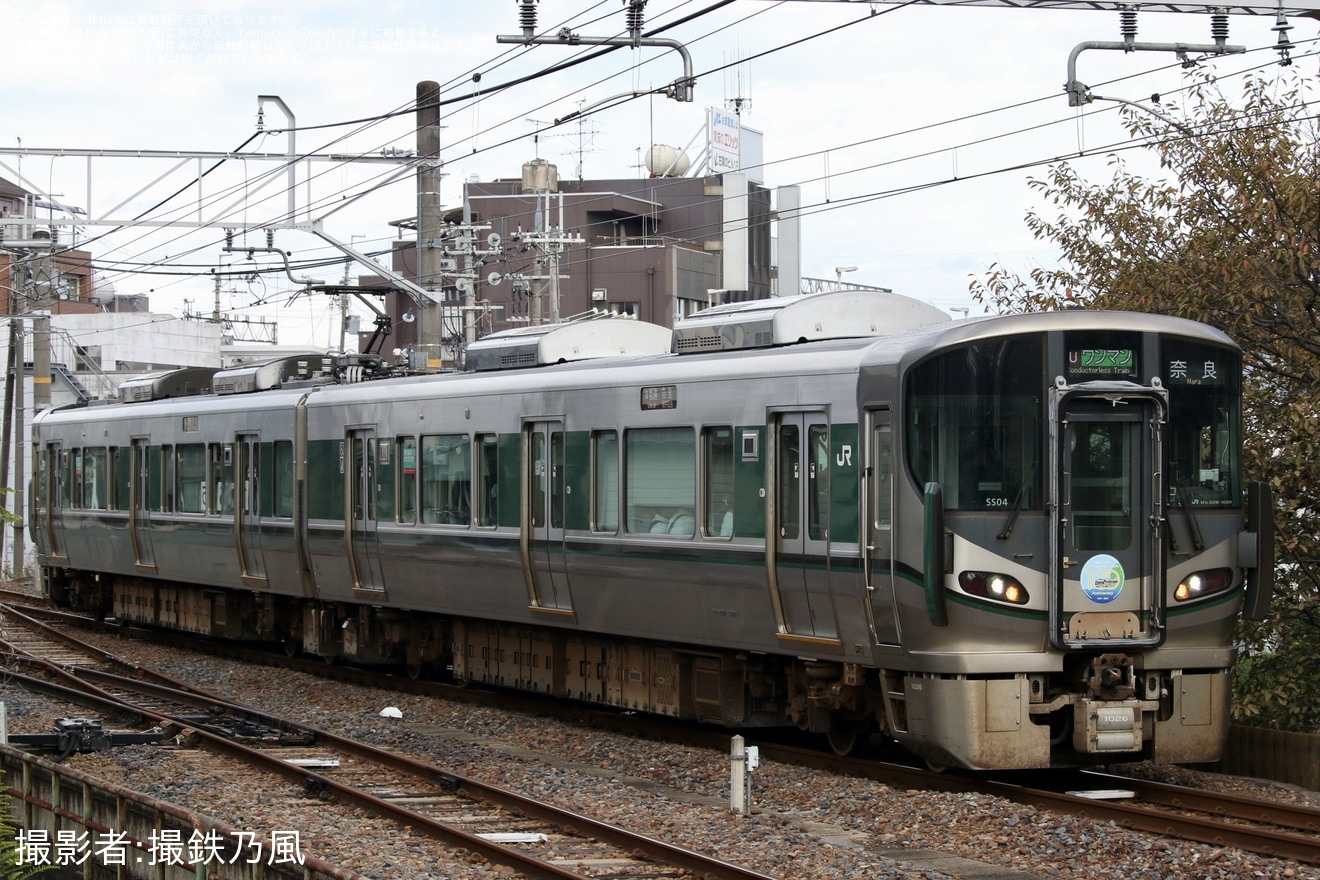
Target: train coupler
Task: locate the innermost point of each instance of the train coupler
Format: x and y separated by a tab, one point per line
1111	677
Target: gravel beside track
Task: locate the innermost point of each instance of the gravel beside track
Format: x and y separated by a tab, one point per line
805	825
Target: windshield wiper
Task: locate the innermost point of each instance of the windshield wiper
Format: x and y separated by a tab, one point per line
1197	541
1017	503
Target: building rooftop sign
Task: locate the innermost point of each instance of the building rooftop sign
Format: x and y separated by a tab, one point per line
723	139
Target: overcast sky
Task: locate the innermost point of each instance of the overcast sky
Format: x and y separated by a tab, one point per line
903	128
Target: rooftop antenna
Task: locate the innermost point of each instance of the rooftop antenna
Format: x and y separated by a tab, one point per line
536	134
739	102
585	138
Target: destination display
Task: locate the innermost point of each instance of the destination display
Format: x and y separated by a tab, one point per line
1194	371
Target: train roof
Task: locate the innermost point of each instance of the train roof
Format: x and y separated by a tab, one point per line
908	347
793	360
591	335
788	320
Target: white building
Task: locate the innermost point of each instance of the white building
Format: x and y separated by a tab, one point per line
90	354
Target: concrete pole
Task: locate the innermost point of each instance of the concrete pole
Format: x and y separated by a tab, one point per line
469	288
554	285
20	456
6	418
739	802
556	249
40	363
430	329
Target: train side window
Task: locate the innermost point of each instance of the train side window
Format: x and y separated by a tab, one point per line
385	482
605	481
221	485
660	473
557	478
166	465
65	476
406	479
96	482
487	495
717	481
882	479
76	471
818	482
790	481
192	478
284	479
446	479
121	474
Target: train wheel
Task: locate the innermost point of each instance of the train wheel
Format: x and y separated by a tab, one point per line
414	670
292	647
849	736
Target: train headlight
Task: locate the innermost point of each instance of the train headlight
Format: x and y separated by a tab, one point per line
1203	583
992	585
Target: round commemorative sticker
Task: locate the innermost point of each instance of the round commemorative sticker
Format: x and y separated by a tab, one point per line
1102	578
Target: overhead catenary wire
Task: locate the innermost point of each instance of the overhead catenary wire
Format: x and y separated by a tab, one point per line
408	107
280	169
839	203
837	174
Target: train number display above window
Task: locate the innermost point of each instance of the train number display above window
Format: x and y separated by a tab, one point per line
659	397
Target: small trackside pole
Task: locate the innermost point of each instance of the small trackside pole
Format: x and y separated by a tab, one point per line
743	759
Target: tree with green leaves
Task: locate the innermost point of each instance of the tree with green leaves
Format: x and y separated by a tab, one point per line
12	865
1227	234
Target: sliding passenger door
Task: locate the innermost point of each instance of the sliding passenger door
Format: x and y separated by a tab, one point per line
248	518
363	549
544	563
139	526
798	543
58	485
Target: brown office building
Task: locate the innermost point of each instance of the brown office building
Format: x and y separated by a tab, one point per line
654	248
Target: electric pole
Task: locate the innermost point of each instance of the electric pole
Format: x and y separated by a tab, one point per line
430	317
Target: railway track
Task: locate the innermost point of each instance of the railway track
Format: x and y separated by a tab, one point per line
1255	825
1266	827
528	836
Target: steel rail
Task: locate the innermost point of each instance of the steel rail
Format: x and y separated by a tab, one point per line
1219	832
1300	817
95	685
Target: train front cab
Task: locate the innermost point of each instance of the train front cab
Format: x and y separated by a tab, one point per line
1084	553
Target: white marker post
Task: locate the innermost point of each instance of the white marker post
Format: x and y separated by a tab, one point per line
742	761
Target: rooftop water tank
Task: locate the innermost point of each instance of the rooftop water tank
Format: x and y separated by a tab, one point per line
666	161
540	176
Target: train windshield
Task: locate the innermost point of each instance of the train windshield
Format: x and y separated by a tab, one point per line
974	420
1204	423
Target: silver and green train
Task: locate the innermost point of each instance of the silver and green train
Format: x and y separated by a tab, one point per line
1005	542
